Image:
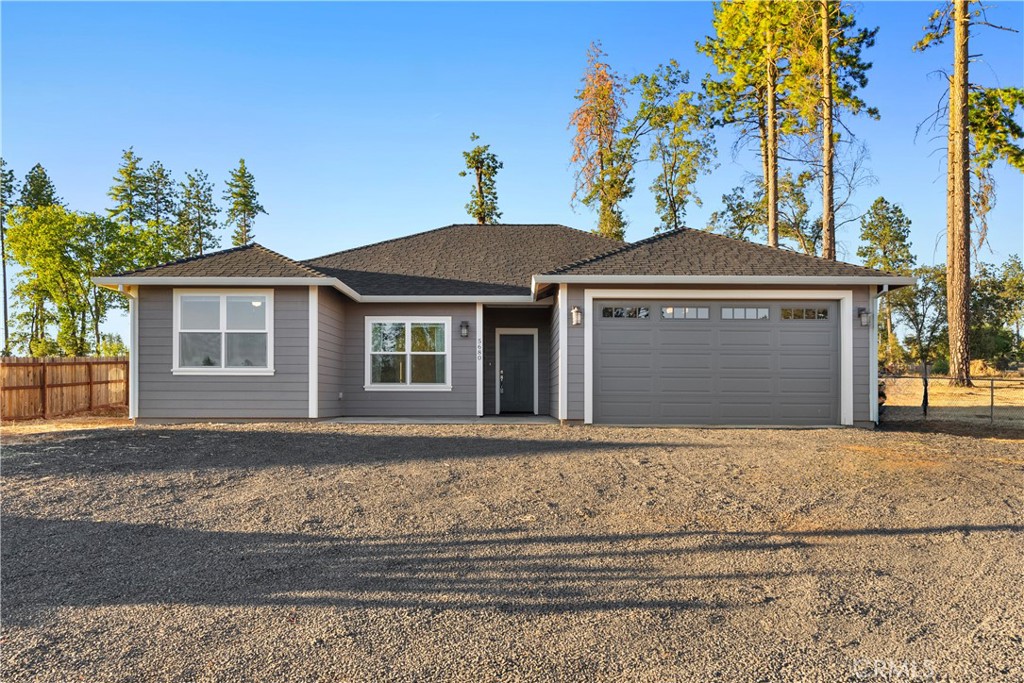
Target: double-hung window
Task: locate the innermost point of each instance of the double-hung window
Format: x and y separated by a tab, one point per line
408	354
223	333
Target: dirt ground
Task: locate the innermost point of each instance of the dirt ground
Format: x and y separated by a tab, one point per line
117	417
534	553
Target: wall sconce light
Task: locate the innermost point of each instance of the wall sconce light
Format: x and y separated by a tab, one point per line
464	329
865	317
577	316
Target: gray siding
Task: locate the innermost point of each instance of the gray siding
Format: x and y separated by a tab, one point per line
331	343
282	395
556	312
537	317
861	350
459	402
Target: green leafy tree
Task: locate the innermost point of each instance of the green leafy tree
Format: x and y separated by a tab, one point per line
1013	292
681	145
37	190
111	345
243	204
922	309
197	216
744	213
603	168
885	231
8	188
59	253
133	194
751	49
484	165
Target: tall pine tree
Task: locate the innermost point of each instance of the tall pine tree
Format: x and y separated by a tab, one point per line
128	192
197	215
37	190
243	204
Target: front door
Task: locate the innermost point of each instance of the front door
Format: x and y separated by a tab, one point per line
515	373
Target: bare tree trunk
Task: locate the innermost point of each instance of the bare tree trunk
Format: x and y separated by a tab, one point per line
479	193
958	231
772	152
828	218
890	349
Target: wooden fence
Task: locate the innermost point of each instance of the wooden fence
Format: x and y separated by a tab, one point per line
55	386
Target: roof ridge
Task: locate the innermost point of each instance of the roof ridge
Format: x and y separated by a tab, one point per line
448	227
189	259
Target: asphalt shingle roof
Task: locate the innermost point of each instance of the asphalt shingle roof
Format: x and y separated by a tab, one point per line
697	252
251	260
461	259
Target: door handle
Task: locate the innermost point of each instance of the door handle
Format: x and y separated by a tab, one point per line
501	381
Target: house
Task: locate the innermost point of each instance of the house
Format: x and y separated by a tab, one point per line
686	327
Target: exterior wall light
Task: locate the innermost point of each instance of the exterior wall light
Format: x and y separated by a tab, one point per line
865	317
464	329
577	316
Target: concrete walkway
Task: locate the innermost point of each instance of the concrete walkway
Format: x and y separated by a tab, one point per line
487	420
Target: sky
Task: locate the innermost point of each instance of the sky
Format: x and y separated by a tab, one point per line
353	117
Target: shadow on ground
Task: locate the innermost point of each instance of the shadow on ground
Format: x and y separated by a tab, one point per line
81	563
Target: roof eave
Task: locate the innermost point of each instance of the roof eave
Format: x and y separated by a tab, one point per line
836	280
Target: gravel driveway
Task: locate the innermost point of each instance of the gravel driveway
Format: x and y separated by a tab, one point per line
541	553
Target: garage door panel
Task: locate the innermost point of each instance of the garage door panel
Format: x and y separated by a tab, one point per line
714	371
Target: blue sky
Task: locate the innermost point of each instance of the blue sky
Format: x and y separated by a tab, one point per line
353	117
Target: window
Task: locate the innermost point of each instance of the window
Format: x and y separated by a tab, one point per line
410	354
684	312
744	313
228	333
625	312
805	314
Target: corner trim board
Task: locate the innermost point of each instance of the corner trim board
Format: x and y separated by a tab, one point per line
314	351
563	351
479	359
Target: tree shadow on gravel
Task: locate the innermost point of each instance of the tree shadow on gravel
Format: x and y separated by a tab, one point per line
50	563
156	450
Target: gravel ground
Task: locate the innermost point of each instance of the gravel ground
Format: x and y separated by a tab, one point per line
540	553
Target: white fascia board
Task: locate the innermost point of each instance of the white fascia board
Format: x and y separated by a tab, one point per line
446	299
794	280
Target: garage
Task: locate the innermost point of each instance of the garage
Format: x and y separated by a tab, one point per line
716	362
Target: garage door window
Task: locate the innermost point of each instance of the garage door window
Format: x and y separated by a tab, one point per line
805	314
684	312
640	312
744	313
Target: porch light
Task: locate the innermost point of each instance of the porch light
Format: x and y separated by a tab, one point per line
865	319
464	329
577	316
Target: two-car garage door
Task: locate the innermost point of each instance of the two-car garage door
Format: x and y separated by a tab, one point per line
716	362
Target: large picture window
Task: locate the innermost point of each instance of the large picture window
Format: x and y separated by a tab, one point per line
408	353
223	333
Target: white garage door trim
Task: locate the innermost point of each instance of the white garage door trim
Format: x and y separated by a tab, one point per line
844	297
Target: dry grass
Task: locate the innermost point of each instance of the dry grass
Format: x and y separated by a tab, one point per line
115	417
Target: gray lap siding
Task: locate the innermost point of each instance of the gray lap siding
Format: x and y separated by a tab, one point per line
460	401
330	352
163	395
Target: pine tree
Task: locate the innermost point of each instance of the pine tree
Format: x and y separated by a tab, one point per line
603	166
197	215
483	197
128	192
886	231
158	199
243	204
37	190
8	188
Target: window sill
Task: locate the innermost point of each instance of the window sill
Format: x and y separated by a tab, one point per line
407	387
224	372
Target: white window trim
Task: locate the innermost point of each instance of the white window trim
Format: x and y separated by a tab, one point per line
526	331
407	320
223	294
844	297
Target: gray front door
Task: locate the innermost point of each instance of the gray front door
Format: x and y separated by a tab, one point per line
515	373
712	362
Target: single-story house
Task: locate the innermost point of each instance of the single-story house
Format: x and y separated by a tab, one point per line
687	327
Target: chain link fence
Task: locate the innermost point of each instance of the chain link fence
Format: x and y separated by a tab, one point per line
992	400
